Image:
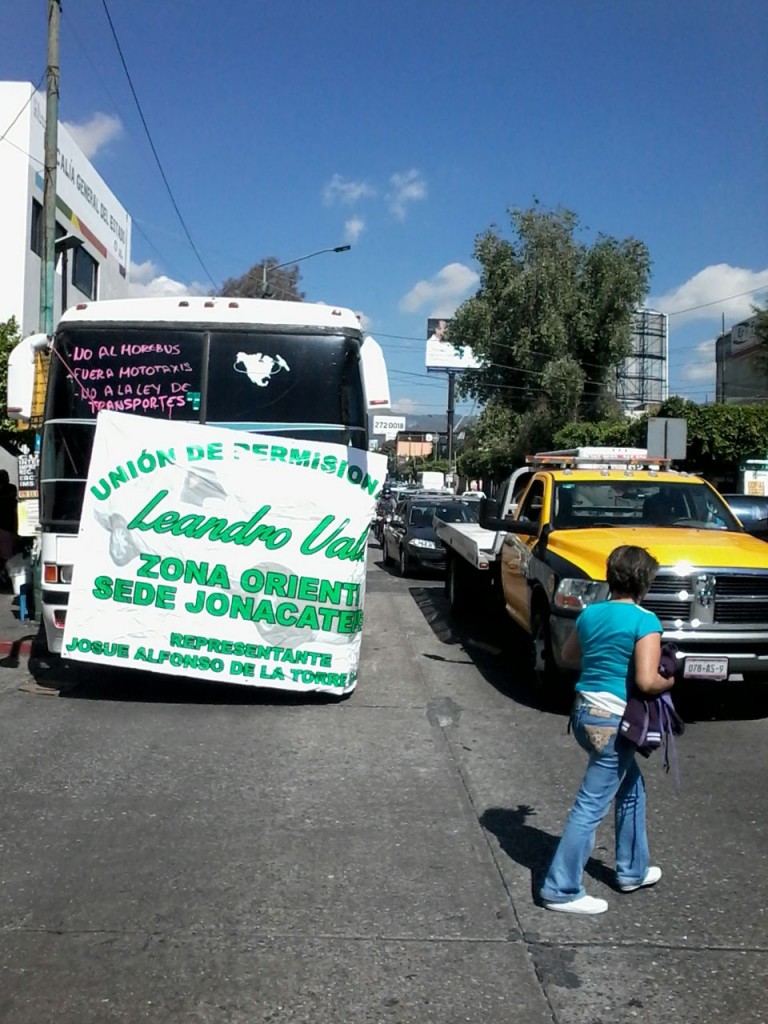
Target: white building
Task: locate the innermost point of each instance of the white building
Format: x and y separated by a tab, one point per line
740	360
87	212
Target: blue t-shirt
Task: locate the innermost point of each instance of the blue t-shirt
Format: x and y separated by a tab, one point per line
608	632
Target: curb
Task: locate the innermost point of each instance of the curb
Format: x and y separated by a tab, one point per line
18	648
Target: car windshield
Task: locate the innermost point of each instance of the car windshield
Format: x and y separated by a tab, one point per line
455	512
589	503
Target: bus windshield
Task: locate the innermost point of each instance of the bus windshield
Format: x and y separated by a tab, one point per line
300	384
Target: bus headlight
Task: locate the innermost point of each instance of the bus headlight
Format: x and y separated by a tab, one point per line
574	595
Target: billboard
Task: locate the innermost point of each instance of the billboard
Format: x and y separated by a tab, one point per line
441	355
389	426
222	555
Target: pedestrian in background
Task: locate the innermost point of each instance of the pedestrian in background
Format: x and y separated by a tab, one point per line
9	524
620	647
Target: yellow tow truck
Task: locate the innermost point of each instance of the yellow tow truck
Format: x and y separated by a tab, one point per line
542	547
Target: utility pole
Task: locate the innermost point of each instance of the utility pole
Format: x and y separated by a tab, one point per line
48	263
449	419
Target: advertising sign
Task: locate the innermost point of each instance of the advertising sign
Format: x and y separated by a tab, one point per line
389	426
222	556
441	355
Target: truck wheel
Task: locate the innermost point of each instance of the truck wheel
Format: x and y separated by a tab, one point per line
455	587
548	677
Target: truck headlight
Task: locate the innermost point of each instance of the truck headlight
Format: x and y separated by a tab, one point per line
574	595
419	542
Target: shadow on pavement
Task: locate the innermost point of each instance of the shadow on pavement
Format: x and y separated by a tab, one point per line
496	647
702	701
14	657
81	681
532	847
499	651
86	682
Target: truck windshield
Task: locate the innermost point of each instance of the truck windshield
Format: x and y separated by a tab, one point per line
579	504
302	385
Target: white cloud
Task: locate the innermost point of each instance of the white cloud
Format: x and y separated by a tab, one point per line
407	187
353	228
440	295
701	366
707	295
93	135
346	192
404	406
145	282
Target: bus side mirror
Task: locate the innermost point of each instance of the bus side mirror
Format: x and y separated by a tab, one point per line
489	520
21	376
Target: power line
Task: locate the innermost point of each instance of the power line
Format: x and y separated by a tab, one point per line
716	302
24	107
154	150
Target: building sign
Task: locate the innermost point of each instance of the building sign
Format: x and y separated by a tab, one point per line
83	198
389	426
441	355
223	556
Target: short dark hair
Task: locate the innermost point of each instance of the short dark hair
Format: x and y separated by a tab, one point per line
630	571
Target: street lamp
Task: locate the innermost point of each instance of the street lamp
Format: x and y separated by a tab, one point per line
289	263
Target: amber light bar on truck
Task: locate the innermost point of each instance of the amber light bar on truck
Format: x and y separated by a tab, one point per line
598	458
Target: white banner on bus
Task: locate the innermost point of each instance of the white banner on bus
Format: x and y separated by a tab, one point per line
222	555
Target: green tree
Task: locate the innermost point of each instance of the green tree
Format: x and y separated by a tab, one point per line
9	338
720	437
282	283
761	324
9	429
489	449
551	319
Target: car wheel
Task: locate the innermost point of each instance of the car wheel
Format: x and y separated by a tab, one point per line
403	563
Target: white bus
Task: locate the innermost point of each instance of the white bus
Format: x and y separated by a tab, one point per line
294	369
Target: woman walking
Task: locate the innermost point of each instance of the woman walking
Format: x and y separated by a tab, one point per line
620	647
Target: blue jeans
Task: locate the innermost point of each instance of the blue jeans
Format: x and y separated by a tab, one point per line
611	772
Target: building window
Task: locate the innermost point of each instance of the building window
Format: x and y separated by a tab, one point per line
36	234
37	228
85	273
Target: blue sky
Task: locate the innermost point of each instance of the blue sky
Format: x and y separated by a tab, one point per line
406	129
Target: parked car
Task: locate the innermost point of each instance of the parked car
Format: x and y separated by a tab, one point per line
409	538
752	511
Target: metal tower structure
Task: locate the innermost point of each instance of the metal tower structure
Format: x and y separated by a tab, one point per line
642	379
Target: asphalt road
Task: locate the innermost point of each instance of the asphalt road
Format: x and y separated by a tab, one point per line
174	852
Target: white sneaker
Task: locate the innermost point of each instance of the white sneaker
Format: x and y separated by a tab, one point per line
583	905
652	875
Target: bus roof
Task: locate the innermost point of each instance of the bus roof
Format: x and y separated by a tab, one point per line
204	309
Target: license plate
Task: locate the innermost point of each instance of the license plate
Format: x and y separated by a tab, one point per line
705	668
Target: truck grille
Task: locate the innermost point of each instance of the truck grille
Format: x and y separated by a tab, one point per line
712	597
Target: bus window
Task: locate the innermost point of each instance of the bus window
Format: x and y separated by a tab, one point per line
294	384
148	371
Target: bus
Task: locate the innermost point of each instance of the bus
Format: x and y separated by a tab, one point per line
300	370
